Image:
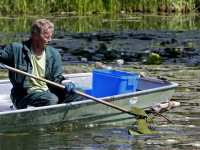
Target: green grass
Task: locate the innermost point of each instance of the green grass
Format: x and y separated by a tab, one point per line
83	6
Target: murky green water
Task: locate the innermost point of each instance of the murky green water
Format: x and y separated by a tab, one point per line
183	135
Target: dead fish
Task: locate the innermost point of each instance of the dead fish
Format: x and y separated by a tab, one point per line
165	105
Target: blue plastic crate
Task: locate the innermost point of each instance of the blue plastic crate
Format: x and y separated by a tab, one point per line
112	82
87	90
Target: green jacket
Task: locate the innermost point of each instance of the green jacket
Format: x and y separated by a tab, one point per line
18	55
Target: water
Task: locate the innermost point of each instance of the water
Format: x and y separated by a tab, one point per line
183	135
17	28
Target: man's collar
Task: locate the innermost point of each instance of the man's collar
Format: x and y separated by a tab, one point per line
27	45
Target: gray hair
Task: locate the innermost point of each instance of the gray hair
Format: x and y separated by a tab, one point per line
40	25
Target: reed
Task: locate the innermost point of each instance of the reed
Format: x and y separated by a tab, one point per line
84	6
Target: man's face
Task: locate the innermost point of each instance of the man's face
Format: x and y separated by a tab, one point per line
44	38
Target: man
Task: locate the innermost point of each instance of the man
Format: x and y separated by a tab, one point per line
37	58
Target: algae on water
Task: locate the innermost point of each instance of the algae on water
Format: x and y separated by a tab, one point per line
154	59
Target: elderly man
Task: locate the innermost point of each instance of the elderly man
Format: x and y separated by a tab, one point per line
37	58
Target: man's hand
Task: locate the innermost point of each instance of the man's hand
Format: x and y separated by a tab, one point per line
70	87
2	66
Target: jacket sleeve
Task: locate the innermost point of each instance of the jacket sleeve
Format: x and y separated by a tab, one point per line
54	69
6	55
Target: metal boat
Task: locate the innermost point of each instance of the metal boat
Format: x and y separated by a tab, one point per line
149	90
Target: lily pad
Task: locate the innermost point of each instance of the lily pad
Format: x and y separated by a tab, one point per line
16	134
138	111
103	46
143	126
133	132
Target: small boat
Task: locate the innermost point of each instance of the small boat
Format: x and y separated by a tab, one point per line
86	112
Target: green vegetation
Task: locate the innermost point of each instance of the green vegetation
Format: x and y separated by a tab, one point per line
92	6
154	59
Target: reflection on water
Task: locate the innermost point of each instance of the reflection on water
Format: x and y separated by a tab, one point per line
17	28
106	137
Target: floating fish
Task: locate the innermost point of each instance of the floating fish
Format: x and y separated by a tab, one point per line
166	105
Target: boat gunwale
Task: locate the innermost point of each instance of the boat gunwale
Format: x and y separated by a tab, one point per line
171	86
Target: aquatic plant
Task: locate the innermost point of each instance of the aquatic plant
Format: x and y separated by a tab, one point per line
84	6
120	62
154	59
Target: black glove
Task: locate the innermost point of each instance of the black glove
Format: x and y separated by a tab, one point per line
70	87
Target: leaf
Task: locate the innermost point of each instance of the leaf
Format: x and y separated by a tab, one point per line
16	134
103	46
138	111
133	132
141	112
143	126
60	133
151	118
